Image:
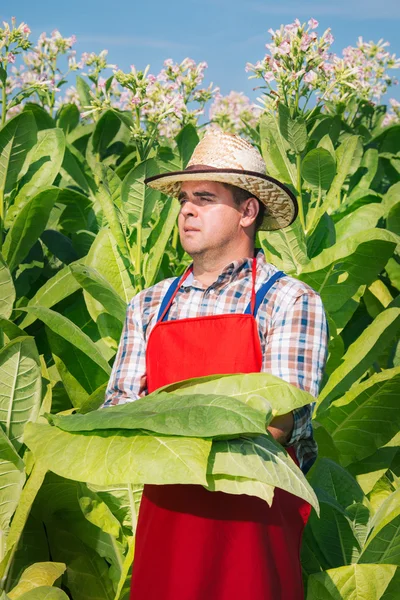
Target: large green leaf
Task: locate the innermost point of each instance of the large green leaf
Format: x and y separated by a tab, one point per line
44	592
345	155
68	117
123	500
338	271
60	286
17	137
139	199
263	459
369	470
285	248
73	173
84	93
100	289
45	160
70	332
77	212
368	169
365	217
366	417
80	375
20	387
37	575
360	355
353	582
158	239
87	575
106	195
105	131
21	515
293	130
28	226
274	151
12	479
240	485
107	260
115	456
383	544
186	140
192	415
262	391
319	168
7	290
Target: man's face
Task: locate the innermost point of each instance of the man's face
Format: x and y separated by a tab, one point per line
209	218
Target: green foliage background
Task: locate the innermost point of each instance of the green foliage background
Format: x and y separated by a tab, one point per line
81	234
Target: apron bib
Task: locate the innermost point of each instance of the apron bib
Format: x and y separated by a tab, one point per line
192	544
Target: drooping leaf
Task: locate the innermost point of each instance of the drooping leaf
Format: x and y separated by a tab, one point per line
240	485
38	575
73	174
17	137
44	592
7	290
207	416
102	459
360	355
357	582
77	212
28	226
20	387
265	460
338	271
60	286
70	332
262	391
366	417
99	288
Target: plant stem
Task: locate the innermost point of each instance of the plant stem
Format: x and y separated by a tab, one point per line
300	198
3	104
138	268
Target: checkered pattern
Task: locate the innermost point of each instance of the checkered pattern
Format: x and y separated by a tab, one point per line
291	323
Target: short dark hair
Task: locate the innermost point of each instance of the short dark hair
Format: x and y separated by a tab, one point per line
240	195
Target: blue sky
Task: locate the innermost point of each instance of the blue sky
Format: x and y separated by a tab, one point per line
225	33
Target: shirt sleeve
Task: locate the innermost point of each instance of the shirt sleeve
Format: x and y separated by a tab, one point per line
296	351
129	369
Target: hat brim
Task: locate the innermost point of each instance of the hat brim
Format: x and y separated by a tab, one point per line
281	204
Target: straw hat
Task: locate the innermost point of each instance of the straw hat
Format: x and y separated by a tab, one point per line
228	158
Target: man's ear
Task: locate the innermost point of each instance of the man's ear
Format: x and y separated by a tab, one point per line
250	208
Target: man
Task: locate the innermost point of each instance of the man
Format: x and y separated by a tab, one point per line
231	312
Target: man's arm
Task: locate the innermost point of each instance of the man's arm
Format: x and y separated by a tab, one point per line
128	377
296	349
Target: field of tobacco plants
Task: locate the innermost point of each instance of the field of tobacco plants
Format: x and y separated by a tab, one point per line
81	235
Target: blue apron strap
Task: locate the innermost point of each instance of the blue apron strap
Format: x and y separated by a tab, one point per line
167	298
262	292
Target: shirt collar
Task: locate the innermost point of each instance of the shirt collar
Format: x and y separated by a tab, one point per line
237	269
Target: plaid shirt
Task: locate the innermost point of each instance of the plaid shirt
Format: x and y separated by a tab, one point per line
291	323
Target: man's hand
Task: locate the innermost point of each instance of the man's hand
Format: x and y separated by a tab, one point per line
281	427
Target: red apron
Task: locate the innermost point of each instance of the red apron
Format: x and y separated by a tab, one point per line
192	544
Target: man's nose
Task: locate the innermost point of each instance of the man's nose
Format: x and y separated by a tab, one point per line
188	209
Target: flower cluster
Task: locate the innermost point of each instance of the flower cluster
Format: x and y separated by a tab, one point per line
233	112
369	63
13	41
393	116
298	62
